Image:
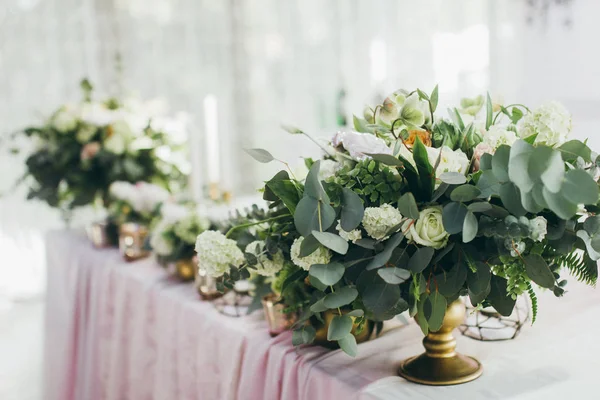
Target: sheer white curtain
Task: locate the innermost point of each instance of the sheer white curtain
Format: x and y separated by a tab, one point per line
267	62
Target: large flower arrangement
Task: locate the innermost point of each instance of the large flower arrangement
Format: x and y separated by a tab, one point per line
421	210
85	147
140	202
174	235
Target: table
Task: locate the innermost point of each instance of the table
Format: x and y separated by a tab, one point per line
117	330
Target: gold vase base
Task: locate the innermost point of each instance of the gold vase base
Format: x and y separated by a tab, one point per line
445	371
210	296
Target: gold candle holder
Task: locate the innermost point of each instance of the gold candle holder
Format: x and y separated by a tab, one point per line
185	270
131	241
98	234
321	334
278	320
206	286
441	365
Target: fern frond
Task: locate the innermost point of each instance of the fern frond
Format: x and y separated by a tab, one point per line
581	267
534	302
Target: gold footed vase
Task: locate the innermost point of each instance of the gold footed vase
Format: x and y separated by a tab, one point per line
321	334
132	238
184	270
277	320
441	365
206	286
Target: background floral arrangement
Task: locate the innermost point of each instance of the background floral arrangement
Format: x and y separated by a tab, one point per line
421	210
174	235
85	147
139	202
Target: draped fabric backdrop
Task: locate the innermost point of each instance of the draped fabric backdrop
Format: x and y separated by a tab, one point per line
268	62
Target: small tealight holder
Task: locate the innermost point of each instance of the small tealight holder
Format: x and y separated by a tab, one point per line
185	269
99	234
278	320
206	286
132	237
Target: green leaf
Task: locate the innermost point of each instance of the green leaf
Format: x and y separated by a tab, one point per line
500	161
579	187
485	162
408	206
434	98
382	300
511	199
488	184
499	297
453	178
319	306
520	155
538	271
340	327
308	246
360	124
328	274
479	281
548	165
352	210
470	227
573	149
592	225
303	335
420	259
559	204
299	275
286	191
481	206
489	112
348	345
465	193
312	184
306	217
517	114
383	257
455	115
453	216
477	298
386	159
450	282
292	129
341	297
421	317
426	175
331	241
438	311
356	313
260	155
393	275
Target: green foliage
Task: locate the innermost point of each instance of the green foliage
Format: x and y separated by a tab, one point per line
581	267
534	302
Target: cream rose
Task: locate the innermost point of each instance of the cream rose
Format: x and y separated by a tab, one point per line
428	230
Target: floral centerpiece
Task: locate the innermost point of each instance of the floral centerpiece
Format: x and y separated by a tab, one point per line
83	148
136	202
421	210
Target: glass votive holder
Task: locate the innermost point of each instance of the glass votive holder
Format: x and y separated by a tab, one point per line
132	239
277	320
206	286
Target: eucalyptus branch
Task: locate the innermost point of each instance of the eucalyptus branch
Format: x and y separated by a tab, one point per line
235	228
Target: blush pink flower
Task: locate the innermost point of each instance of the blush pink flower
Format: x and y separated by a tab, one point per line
480	150
89	151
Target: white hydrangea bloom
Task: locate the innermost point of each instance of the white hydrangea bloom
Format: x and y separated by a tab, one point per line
320	256
119	137
265	266
539	228
551	122
498	135
352	236
65	120
216	253
377	221
516	247
158	241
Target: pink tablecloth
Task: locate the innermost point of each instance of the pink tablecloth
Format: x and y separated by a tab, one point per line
119	330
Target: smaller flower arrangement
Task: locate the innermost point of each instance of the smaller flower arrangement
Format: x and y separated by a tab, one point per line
83	148
139	202
174	235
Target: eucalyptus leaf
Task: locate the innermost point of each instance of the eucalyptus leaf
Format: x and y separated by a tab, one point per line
488	184
348	345
537	269
579	187
481	206
393	275
451	282
303	335
306	217
592	225
312	184
319	306
500	162
434	98
260	155
573	149
465	193
559	204
479	280
383	257
341	297
340	327
520	155
292	129
470	227
328	274
332	241
352	210
420	259
438	311
485	162
499	297
421	317
408	206
386	159
511	199
308	246
453	216
453	178
356	313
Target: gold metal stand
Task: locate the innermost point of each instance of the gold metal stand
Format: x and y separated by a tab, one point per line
441	365
277	320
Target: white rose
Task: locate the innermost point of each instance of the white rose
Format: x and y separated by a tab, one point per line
451	160
118	138
216	253
359	144
498	135
551	122
428	230
86	133
539	228
352	236
64	120
321	255
265	266
98	114
377	221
